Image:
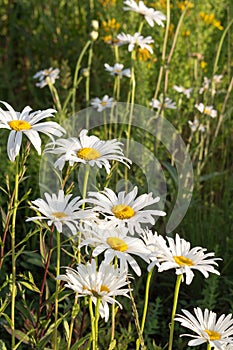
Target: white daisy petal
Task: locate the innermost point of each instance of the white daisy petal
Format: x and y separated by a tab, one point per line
217	332
124	209
26	123
106	283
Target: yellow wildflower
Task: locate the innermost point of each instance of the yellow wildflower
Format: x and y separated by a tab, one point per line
185	4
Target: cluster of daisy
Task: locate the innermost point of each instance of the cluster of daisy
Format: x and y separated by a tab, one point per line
116	225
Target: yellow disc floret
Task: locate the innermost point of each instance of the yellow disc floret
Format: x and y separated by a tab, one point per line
59	215
19	125
182	260
213	335
122	211
88	153
117	244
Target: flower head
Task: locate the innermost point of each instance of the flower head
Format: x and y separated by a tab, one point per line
100	105
208	110
179	255
104	284
150	14
182	90
88	150
209	329
136	39
46	76
168	103
60	211
27	123
118	70
116	243
195	125
125	209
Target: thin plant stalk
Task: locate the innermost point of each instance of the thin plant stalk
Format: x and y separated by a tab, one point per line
88	76
208	346
13	256
175	300
149	275
85	182
220	47
73	316
140	339
77	68
173	48
57	286
97	315
54	94
92	324
168	14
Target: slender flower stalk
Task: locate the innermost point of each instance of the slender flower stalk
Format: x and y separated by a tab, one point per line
175	300
85	182
92	324
77	69
146	301
57	286
13	256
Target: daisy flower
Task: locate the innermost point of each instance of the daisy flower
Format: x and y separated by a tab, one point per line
182	90
136	39
154	243
125	209
104	284
150	14
27	123
168	103
100	105
179	255
195	125
88	150
205	85
46	75
208	110
118	70
218	332
59	210
116	243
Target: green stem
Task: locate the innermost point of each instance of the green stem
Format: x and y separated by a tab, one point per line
88	77
164	50
77	68
176	294
57	286
146	301
92	324
97	315
208	346
73	316
13	291
54	94
220	47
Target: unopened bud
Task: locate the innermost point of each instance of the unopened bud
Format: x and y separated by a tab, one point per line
95	24
94	35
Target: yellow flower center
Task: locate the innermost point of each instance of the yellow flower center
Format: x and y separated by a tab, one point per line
213	335
104	288
59	215
122	211
117	244
182	260
207	111
19	125
87	153
103	103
